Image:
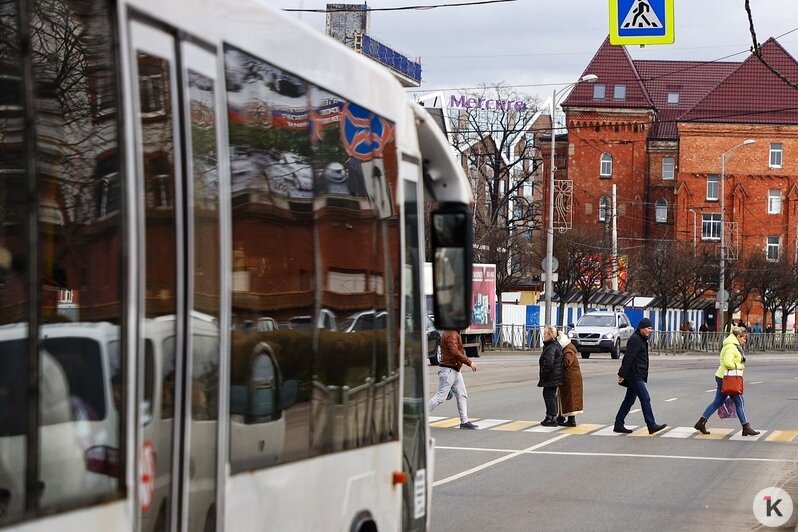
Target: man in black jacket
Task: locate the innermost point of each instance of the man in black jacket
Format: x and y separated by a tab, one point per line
634	375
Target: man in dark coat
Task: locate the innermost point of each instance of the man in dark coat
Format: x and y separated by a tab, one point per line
634	375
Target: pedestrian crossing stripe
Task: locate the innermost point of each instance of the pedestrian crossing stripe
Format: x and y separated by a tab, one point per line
592	429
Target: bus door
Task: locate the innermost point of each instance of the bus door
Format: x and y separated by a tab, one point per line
177	125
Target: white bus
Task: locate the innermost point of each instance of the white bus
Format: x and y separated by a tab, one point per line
194	197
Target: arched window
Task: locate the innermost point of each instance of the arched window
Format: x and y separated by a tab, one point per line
606	165
662	210
604	208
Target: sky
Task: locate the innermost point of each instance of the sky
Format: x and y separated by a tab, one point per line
538	46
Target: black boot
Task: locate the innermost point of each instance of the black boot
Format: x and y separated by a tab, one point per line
621	429
571	422
561	421
550	421
748	431
701	426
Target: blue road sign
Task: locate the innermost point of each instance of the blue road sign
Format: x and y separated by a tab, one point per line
641	22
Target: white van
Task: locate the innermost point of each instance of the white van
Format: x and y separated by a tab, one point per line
79	419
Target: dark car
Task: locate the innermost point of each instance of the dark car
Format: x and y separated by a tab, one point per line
433	342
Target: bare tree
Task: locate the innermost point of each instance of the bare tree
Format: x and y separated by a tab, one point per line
787	287
764	276
690	275
492	133
656	271
740	286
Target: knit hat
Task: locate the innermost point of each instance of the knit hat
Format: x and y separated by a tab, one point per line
645	322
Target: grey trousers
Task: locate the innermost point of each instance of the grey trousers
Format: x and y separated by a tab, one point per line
449	379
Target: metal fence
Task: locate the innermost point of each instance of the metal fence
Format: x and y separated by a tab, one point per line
526	338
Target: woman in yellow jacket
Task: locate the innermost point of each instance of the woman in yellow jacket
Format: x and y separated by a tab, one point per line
731	357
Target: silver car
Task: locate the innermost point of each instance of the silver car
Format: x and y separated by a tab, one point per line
601	332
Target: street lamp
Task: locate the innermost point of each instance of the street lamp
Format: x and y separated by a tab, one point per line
590	78
722	279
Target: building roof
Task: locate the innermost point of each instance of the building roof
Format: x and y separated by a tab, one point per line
716	91
690	80
613	66
753	93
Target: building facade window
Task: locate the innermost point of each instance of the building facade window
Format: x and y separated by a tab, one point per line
712	187
606	165
774	201
668	167
776	152
673	98
710	226
619	93
772	251
662	210
599	91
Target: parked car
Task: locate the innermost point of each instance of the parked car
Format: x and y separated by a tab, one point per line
326	320
601	332
365	321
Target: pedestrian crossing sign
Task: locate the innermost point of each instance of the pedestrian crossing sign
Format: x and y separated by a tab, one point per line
641	22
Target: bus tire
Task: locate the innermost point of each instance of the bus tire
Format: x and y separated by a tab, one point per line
585	355
363	522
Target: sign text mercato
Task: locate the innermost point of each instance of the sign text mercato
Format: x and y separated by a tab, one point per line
486	103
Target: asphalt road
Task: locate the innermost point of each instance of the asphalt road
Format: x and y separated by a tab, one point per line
509	476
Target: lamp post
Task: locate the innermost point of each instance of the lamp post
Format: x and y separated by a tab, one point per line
590	78
722	278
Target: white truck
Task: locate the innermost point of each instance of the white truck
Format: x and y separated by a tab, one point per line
483	307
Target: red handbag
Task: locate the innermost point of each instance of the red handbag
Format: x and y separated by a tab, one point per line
732	382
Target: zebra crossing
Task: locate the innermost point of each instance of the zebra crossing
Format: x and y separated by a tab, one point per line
591	429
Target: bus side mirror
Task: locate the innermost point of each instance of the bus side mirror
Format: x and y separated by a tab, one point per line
451	228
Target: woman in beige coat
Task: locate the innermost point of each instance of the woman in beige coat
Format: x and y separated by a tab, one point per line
570	393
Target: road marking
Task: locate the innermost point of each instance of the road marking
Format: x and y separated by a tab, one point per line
756	382
739	436
496	461
609	432
671	399
582	429
712	390
592	429
449	423
782	435
715	434
642	432
435	418
533	450
488	423
540	428
680	432
516	425
635	411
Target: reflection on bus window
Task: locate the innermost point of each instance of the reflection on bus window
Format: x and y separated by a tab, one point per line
71	56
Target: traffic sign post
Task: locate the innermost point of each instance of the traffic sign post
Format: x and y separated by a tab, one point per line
641	22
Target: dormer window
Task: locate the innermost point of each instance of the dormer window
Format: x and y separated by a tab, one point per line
619	93
599	90
673	98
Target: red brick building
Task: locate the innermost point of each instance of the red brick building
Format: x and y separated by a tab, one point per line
657	130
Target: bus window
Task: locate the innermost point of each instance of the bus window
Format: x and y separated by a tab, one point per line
272	186
77	177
